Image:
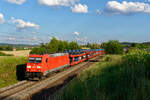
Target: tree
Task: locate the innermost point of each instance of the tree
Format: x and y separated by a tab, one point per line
63	45
39	51
53	45
112	47
95	46
73	46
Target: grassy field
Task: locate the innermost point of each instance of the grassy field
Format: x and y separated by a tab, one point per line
18	53
8	69
116	78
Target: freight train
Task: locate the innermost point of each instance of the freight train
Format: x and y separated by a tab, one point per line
41	65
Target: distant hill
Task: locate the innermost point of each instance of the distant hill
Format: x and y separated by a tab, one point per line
18	45
130	43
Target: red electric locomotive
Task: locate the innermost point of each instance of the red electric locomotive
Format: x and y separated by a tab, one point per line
41	65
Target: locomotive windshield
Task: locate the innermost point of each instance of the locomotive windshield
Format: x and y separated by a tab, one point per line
38	60
35	60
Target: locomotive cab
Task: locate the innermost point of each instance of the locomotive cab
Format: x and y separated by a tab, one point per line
35	66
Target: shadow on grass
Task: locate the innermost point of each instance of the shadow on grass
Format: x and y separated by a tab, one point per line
48	93
20	72
93	60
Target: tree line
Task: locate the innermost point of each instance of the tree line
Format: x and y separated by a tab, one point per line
55	46
6	48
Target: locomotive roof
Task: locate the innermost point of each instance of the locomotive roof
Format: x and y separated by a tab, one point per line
50	55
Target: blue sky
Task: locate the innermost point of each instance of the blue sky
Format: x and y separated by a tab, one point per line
36	21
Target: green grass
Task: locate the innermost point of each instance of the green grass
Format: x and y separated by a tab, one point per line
115	78
8	66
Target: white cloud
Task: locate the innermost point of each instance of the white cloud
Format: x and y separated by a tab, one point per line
81	40
35	38
21	24
76	33
98	11
19	2
2	20
11	38
57	2
114	7
79	8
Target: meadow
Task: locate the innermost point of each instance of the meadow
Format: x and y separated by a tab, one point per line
125	77
8	69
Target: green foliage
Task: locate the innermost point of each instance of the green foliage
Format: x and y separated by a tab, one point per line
137	57
73	46
6	48
63	45
140	45
112	47
20	48
8	69
93	46
38	51
123	79
55	46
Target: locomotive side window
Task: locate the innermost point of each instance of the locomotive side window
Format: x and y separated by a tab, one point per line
38	60
46	59
31	60
76	59
82	57
71	59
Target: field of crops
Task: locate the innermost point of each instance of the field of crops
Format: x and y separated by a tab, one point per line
8	69
17	53
116	78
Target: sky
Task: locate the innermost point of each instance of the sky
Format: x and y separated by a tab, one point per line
37	21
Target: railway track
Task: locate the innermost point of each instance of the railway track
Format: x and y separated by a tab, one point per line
11	91
31	90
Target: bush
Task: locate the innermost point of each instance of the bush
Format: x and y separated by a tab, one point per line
112	47
137	57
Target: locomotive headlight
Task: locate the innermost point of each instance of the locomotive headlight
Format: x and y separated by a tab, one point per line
38	66
28	66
